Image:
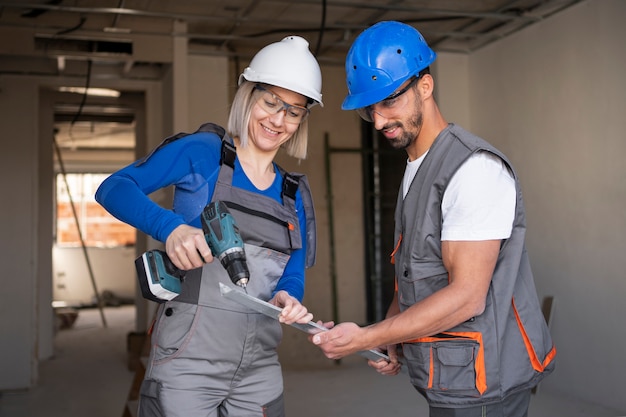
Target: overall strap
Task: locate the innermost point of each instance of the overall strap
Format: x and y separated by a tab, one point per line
291	184
227	161
206	127
228	154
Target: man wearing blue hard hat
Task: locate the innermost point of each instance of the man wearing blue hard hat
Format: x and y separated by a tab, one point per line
465	314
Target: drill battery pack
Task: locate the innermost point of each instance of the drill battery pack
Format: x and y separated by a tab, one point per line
159	279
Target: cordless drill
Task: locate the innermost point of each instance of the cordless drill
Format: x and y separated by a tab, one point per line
160	279
222	235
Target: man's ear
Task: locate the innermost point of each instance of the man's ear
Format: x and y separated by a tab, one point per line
426	86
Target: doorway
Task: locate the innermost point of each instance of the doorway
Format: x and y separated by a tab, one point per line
93	253
383	168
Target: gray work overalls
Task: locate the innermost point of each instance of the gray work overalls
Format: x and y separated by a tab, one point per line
508	347
211	356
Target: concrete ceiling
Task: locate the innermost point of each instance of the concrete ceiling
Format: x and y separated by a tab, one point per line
132	39
238	28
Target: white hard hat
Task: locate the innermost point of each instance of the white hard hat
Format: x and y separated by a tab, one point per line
288	64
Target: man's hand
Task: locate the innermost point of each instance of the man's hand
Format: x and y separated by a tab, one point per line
339	341
391	367
293	311
187	247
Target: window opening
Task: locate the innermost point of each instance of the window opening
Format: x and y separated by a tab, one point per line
98	227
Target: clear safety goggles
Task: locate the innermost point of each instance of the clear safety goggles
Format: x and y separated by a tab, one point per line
394	102
272	104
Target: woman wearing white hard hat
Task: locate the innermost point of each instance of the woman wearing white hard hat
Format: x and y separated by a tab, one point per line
211	356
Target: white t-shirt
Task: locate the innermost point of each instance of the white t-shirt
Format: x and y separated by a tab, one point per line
479	203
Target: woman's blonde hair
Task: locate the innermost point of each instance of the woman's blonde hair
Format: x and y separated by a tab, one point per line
239	118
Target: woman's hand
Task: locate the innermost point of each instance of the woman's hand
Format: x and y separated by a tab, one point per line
293	311
187	247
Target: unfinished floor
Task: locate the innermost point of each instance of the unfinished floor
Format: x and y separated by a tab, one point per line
89	376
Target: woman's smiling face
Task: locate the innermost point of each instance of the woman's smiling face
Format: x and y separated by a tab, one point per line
267	132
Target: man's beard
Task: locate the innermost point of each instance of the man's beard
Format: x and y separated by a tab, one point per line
414	127
409	134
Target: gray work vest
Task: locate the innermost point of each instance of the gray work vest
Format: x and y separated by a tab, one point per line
270	231
505	349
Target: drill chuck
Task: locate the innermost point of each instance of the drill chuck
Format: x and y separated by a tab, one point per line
235	263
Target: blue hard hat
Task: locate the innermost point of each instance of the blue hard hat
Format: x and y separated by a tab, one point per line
381	58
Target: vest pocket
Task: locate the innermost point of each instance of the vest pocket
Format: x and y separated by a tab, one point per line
450	362
457	371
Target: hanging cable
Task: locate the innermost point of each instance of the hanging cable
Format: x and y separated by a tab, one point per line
72	29
82	101
322	29
84	98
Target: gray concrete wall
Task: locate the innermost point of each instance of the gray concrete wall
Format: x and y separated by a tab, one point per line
553	98
114	271
19	183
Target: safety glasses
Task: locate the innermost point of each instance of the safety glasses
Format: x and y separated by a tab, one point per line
392	103
272	104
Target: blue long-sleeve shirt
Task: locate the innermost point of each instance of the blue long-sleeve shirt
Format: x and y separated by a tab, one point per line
191	165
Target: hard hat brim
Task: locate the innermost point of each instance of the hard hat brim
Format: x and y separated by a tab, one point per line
367	98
